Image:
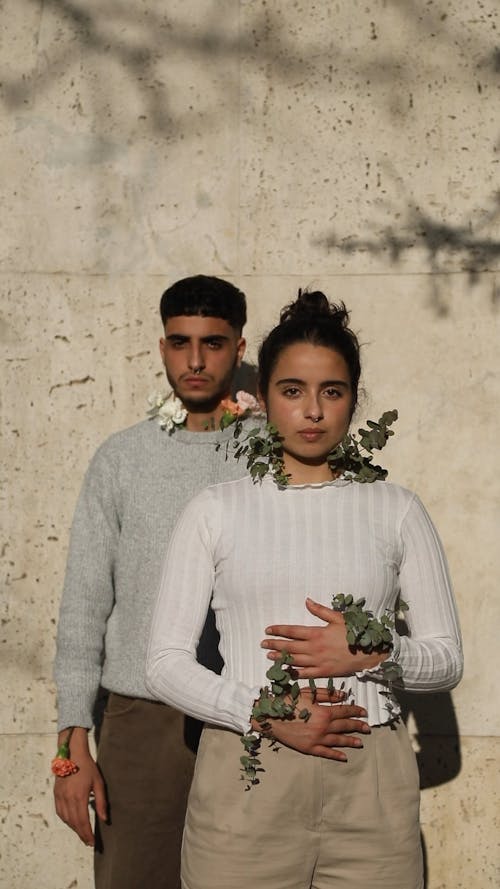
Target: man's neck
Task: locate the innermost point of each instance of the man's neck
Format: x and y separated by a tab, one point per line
204	422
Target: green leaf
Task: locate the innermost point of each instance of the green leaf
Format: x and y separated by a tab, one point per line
391	671
276	672
366	641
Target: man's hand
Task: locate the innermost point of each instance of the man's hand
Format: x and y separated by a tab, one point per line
319	652
328	727
72	793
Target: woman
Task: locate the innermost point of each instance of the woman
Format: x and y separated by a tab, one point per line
261	549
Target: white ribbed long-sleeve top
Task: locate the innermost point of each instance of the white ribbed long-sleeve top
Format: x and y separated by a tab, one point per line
257	550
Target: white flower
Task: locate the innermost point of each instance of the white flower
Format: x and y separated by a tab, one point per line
169	410
155	401
172	413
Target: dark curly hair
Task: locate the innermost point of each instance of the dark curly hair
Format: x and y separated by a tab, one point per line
311	319
207	296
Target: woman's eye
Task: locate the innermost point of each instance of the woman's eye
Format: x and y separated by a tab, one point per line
332	393
291	392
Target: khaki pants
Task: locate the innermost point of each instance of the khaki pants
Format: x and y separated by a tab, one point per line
147	766
310	824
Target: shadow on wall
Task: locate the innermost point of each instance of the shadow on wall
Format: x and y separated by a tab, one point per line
475	250
145	44
141	38
439	755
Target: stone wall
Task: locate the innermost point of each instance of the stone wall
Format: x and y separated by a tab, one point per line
349	146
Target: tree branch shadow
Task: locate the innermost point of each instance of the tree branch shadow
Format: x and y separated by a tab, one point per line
474	251
141	43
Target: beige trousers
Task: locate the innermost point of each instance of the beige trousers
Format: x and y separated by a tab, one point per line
310	824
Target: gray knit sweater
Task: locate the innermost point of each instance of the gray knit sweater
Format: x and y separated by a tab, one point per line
136	485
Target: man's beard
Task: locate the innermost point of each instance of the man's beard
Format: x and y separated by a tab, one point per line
206	404
202	405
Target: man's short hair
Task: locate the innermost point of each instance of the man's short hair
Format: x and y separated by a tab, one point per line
205	295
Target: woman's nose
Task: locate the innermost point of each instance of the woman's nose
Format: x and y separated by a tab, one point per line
313	410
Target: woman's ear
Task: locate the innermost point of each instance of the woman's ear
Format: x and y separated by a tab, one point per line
261	400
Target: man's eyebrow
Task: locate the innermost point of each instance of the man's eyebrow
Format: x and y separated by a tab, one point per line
218	337
295	381
210	338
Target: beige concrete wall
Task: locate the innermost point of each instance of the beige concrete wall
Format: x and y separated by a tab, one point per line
350	145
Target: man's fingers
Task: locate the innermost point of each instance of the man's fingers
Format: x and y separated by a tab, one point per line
79	821
84	830
72	801
101	803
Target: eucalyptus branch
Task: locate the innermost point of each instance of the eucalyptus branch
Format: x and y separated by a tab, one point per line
276	701
262	447
369	633
348	456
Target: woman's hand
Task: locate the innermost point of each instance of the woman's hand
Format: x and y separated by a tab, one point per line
319	652
329	725
72	793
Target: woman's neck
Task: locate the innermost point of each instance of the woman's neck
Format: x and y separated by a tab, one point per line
307	474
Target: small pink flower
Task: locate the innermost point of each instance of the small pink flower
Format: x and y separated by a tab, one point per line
247	402
232	407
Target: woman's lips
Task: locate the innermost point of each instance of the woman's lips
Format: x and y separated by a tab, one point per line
311	434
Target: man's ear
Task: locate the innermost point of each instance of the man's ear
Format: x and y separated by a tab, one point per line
240	350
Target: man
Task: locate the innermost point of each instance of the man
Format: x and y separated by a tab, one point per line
137	484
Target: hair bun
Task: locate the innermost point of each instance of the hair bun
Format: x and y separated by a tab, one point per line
314	305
